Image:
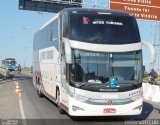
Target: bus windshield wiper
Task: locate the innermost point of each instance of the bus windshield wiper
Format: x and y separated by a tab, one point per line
77	84
135	85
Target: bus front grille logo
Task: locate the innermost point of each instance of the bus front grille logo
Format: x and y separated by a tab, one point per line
113	83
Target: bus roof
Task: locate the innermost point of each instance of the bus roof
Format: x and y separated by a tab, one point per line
96	11
9	59
48	22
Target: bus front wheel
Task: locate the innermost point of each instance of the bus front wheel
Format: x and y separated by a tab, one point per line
60	110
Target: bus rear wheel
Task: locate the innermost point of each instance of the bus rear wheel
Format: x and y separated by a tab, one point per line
39	92
60	110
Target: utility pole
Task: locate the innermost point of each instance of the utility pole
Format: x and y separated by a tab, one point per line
95	3
25	49
156	44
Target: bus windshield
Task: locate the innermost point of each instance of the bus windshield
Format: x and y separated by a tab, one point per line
104	29
10	62
99	68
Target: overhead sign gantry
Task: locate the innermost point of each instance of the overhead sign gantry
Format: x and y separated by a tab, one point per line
53	6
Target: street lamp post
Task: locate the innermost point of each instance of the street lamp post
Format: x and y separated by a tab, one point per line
25	49
95	3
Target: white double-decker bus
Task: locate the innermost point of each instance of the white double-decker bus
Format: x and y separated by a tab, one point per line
89	62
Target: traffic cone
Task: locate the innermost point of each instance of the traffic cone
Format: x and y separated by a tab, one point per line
17	88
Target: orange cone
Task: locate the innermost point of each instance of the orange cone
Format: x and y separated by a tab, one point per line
17	88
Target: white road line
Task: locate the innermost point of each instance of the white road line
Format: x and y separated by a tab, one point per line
21	108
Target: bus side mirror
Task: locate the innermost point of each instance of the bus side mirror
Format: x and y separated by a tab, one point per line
78	58
143	70
68	52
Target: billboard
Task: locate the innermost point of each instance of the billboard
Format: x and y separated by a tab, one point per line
53	6
141	9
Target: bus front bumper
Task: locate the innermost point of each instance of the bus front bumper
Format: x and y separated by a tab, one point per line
78	108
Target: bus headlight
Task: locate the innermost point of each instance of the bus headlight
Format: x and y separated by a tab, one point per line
138	107
79	98
75	108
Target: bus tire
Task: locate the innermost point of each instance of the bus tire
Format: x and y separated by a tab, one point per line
60	110
39	90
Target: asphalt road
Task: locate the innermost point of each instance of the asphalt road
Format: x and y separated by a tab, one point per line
27	108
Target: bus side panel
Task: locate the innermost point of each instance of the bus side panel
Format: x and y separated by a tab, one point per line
49	67
46	58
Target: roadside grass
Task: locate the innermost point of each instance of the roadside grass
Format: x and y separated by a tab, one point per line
158	78
1	76
145	78
2	73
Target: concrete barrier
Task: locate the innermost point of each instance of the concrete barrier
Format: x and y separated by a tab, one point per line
156	93
147	91
151	92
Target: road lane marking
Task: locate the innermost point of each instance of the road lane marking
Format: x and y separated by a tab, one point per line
22	110
21	107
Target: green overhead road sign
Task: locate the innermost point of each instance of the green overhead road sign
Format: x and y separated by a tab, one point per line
53	6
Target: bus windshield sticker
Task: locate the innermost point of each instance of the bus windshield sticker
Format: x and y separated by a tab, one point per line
86	20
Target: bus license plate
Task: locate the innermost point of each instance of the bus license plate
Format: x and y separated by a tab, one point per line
109	110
